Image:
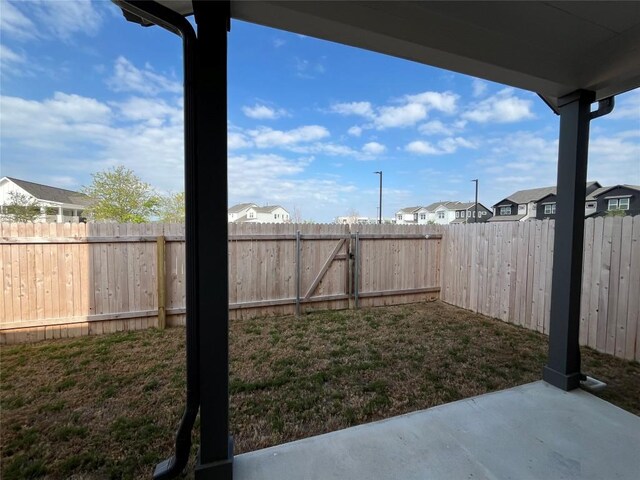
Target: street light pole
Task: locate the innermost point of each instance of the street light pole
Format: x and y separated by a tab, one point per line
476	204
380	206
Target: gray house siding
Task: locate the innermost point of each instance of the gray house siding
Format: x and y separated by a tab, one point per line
505	202
602	207
541	207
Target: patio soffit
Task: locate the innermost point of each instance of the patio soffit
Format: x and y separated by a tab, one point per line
551	48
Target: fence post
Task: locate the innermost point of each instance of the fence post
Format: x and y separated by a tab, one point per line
298	272
356	271
162	284
350	256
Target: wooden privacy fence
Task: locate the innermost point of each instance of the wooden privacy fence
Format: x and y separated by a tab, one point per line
75	279
503	270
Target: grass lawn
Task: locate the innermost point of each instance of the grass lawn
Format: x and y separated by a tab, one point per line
108	406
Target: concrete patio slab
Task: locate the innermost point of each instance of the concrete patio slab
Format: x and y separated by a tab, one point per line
534	431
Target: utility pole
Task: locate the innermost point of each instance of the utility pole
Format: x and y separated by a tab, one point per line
380	205
476	204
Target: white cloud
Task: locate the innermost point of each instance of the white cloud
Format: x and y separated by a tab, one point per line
615	158
422	148
363	109
479	87
264	137
442	101
128	78
451	144
355	131
278	42
14	23
153	111
627	107
436	127
10	61
525	146
49	19
262	112
236	140
330	149
403	116
406	112
307	69
373	148
504	107
64	18
442	147
82	135
512	179
279	182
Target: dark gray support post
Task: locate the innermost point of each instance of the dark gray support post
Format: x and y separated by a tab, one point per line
563	366
216	449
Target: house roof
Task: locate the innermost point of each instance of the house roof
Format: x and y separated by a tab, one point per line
409	210
552	48
47	193
471	205
240	207
267	208
505	218
450	204
596	193
530	195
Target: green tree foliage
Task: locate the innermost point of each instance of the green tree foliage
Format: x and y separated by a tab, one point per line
120	196
172	208
21	208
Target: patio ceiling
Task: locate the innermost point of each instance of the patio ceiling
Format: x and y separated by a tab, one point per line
551	48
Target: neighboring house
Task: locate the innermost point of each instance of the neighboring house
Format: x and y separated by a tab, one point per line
411	216
624	198
535	203
466	213
442	213
57	205
251	212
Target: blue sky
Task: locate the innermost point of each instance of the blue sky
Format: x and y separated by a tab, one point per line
83	90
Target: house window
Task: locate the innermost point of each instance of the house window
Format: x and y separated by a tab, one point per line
522	209
474	214
468	214
623	204
483	213
250	215
415	217
423	216
616	204
457	214
505	210
440	215
399	216
550	209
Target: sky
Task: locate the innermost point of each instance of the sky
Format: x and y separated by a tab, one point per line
309	121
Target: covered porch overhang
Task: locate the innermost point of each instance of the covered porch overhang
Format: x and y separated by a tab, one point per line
570	53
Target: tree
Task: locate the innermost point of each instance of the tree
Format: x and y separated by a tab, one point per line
119	195
296	216
615	213
172	208
21	208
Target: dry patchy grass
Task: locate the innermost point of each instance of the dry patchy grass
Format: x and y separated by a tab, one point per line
108	406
